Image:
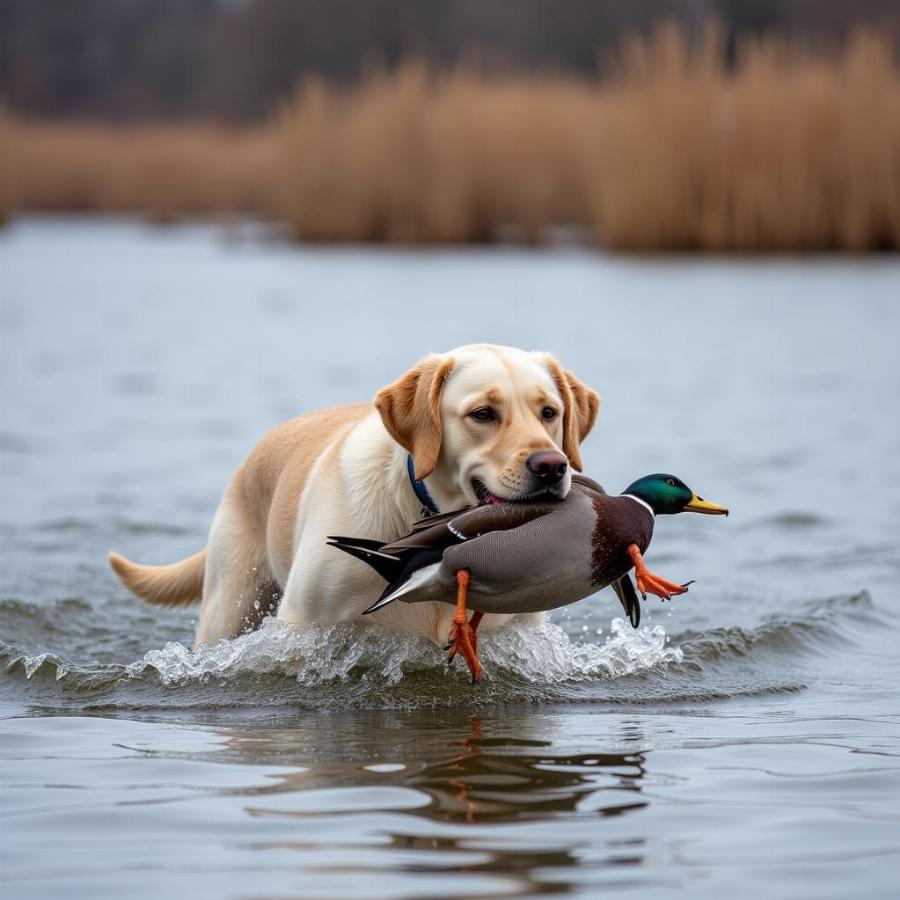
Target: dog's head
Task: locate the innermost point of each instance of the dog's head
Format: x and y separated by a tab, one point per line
490	424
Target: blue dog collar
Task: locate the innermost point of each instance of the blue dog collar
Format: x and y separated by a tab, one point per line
429	507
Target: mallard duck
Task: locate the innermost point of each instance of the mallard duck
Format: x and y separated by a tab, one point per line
527	557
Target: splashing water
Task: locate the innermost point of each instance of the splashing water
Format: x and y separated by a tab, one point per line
325	654
364	666
357	665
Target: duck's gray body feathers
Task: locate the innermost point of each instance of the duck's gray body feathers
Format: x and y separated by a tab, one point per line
576	548
521	558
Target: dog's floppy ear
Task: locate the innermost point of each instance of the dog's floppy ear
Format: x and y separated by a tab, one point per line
582	405
411	411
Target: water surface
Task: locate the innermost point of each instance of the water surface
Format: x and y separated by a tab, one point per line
745	740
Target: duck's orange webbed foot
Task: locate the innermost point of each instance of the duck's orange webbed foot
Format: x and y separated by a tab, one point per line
648	583
463	634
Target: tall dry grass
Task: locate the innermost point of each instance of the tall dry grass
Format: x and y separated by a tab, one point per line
162	172
791	150
413	157
787	150
5	171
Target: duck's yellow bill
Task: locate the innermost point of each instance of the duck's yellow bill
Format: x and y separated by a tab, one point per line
699	505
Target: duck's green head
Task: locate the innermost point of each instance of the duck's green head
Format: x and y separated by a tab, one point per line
666	495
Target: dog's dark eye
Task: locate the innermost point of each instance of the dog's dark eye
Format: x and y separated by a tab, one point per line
549	413
484	414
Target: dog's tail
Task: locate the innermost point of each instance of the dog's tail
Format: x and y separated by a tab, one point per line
175	585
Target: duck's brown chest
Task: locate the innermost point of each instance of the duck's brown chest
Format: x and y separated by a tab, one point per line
621	521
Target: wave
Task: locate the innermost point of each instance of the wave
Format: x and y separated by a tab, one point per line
809	628
354	665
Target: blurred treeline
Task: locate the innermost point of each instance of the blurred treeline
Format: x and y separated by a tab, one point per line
746	125
235	60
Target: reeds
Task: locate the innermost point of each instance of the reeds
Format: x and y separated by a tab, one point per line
5	169
788	151
161	172
417	158
785	149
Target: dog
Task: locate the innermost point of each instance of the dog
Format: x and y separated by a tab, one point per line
479	424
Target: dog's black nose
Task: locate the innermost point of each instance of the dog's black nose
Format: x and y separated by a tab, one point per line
548	466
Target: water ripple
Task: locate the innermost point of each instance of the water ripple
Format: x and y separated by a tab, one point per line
361	666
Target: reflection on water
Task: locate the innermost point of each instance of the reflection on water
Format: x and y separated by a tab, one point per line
395	804
476	779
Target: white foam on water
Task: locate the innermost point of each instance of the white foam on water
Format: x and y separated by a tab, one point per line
545	654
32	663
323	654
318	654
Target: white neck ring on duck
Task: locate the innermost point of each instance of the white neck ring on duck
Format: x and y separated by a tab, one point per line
643	503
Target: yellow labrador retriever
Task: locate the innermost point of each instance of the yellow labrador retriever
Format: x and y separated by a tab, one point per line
480	424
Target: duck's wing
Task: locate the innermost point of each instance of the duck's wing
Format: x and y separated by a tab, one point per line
628	597
386	565
419	566
583	481
438	519
578	480
450	529
366	543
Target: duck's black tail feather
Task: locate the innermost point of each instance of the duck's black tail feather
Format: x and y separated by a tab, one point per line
628	597
387	566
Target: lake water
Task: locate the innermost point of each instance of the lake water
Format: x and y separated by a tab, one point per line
745	742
